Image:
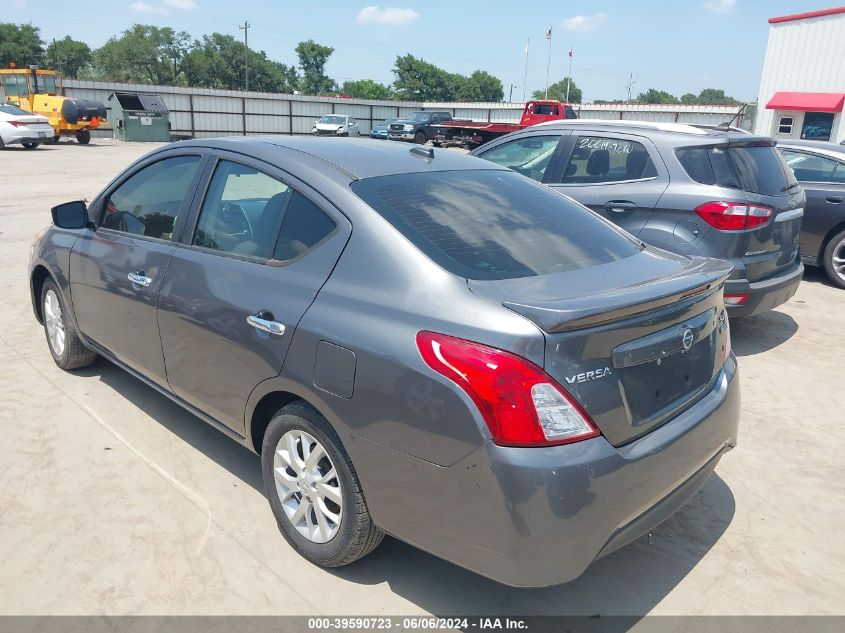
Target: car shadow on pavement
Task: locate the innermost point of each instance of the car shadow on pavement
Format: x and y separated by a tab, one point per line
631	581
238	460
757	334
816	275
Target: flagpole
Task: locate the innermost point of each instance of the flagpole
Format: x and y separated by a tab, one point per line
525	74
548	62
569	77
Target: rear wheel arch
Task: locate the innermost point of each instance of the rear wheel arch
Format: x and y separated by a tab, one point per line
267	407
831	233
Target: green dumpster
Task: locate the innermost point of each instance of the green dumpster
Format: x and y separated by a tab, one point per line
139	117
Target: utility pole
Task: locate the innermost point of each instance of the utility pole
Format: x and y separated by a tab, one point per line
525	74
245	29
631	83
548	61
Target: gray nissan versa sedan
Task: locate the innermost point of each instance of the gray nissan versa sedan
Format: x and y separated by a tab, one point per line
416	342
710	192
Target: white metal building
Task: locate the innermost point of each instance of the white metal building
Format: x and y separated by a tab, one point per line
802	90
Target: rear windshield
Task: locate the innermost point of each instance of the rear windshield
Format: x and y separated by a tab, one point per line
753	168
489	224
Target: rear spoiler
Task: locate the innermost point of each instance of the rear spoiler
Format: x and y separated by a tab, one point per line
701	278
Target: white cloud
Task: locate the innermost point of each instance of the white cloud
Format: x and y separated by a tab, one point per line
387	15
181	5
583	22
722	7
143	7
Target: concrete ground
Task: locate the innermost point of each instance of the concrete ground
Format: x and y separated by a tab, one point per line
113	500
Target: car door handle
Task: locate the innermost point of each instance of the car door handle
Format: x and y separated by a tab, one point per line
266	324
620	206
834	199
139	278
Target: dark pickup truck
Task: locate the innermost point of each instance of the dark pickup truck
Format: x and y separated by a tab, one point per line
417	127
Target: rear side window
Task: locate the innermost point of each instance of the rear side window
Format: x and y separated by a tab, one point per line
305	226
753	168
597	159
493	224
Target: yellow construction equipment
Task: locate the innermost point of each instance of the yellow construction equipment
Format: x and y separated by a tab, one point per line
39	91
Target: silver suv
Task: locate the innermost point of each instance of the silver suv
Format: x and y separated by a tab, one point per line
711	192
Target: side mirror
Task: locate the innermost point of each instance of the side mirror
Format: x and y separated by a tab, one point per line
71	215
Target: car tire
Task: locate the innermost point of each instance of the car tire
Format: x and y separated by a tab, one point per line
83	137
30	145
346	531
419	138
835	250
66	348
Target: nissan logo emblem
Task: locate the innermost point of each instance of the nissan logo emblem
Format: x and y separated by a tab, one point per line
688	338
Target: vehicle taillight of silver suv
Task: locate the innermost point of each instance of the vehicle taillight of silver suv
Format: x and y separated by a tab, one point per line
712	192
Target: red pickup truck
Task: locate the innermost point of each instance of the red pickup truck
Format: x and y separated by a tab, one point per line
471	134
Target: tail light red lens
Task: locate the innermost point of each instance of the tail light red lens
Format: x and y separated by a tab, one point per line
736	300
521	404
16	123
733	216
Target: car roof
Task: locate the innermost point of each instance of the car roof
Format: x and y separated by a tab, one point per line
652	128
358	158
820	147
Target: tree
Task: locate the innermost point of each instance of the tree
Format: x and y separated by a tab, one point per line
144	53
20	43
557	91
217	61
417	80
712	96
489	87
689	99
68	56
656	96
366	89
312	61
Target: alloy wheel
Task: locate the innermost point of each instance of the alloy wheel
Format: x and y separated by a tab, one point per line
308	486
838	260
54	322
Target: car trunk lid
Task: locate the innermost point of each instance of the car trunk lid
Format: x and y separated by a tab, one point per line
635	343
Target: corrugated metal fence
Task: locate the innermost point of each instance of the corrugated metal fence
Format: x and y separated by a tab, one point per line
202	112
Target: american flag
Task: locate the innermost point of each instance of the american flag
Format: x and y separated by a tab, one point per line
549	34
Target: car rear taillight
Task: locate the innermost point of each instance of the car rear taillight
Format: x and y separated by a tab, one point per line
520	403
733	216
736	300
16	123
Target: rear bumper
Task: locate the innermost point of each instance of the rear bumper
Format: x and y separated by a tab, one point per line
32	134
764	295
535	517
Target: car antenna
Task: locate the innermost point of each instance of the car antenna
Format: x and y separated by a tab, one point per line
423	152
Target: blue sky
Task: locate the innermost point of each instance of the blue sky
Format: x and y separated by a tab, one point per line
681	46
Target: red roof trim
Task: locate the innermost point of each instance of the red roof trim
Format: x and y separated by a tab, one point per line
809	14
807	101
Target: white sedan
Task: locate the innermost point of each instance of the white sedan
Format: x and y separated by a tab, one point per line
336	125
21	127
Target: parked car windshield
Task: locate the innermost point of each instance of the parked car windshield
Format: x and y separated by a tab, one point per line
753	168
420	116
386	122
333	119
489	224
